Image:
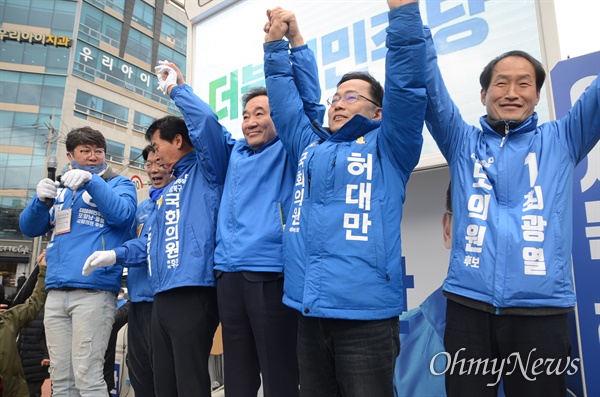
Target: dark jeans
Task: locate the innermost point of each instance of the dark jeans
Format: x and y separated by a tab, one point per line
139	356
484	336
347	358
184	321
259	335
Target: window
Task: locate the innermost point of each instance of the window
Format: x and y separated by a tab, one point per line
117	5
143	14
97	26
86	104
139	45
169	54
115	151
141	122
135	158
174	32
31	88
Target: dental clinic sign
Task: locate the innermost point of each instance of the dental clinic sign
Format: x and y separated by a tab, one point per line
347	36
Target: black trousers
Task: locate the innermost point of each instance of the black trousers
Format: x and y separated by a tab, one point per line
259	335
184	321
530	353
139	356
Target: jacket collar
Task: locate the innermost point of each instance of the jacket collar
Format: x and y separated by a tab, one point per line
527	126
184	163
354	128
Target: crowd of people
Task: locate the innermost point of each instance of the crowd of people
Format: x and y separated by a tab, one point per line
290	237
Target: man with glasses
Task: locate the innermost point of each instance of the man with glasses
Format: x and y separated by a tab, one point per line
92	210
141	295
342	255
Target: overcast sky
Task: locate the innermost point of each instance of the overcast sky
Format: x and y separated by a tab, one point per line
578	26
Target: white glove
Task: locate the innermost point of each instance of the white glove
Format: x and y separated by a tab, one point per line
46	188
171	79
74	179
99	259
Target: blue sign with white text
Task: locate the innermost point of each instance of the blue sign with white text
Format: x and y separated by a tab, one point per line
570	78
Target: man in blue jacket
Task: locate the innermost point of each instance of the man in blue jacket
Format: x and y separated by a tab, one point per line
342	235
92	210
421	363
180	243
139	359
259	331
509	284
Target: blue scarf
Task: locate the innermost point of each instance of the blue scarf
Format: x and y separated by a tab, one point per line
155	193
94	169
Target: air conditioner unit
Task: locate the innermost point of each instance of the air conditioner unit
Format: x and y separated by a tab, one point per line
171	39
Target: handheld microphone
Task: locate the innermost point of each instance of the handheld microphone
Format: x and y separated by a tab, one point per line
51	166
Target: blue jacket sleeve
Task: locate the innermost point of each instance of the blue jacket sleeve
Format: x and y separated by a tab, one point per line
34	220
306	77
405	97
133	252
211	140
116	203
442	118
287	110
580	128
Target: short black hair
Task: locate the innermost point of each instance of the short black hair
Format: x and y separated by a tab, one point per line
84	136
147	150
169	127
253	93
376	88
485	78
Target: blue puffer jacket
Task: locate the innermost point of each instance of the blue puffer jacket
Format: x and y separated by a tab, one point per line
342	238
258	191
181	240
102	213
138	281
512	199
420	348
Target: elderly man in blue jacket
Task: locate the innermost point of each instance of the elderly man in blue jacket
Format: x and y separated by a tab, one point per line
342	235
92	210
509	284
179	245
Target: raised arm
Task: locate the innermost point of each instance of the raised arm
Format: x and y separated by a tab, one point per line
211	140
581	125
442	118
291	119
304	68
405	98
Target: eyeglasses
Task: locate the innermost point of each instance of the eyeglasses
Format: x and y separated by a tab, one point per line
149	165
88	152
349	97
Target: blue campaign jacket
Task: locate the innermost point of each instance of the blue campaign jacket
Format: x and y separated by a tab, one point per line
512	199
181	239
138	281
102	213
342	238
418	347
258	191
